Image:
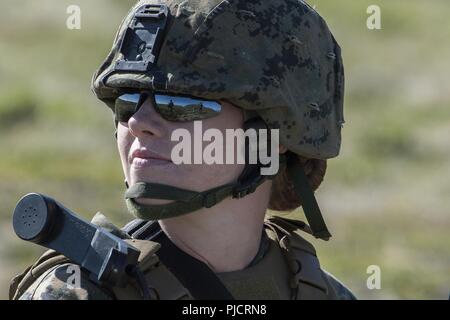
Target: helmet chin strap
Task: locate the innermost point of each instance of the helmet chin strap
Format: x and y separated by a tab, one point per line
184	201
305	193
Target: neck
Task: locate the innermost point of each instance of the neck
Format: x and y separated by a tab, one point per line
227	236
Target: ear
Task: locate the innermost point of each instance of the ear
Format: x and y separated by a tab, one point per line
282	149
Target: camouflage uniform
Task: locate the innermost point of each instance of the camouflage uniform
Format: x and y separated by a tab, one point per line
54	286
246	284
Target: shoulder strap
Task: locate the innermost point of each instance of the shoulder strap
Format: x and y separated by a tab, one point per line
205	285
307	282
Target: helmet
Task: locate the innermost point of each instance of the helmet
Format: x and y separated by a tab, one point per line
274	59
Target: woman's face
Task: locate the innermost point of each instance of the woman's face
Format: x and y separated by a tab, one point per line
145	149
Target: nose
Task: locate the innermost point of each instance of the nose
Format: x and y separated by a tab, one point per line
147	122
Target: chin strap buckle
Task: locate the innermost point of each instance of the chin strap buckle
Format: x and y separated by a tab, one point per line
210	200
246	188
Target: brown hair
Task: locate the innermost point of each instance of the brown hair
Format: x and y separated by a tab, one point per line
283	196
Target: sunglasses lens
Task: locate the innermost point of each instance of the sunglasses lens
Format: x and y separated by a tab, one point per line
126	106
183	109
171	108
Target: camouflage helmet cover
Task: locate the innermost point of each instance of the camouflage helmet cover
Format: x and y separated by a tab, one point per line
276	58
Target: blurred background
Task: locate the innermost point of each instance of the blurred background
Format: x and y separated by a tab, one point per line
386	198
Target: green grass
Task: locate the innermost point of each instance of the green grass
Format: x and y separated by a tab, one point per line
386	198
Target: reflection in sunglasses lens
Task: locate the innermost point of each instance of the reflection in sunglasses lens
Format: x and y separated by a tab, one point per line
174	108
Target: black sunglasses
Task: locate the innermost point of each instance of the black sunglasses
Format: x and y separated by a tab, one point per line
171	107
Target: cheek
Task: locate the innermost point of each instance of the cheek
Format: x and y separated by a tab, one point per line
204	177
217	174
124	142
227	173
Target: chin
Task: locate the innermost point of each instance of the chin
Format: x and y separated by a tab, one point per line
158	176
192	183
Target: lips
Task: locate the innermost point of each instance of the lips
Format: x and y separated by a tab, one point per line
143	157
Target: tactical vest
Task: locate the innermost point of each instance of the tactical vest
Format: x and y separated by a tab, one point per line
289	269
